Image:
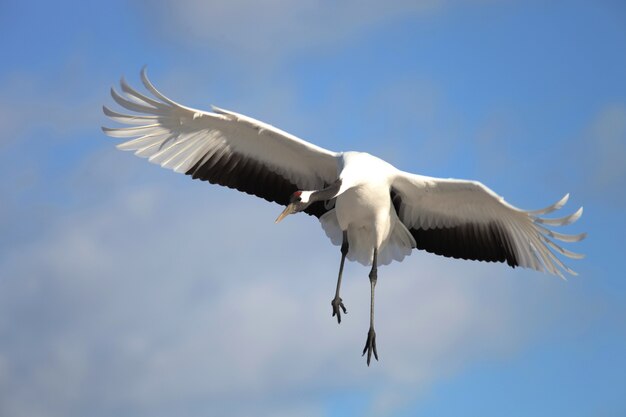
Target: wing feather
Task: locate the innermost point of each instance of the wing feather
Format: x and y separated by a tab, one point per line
127	118
135	105
220	146
136	95
465	219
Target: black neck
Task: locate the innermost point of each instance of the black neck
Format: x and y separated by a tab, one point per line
327	193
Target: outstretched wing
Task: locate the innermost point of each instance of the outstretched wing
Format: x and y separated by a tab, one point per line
220	146
465	219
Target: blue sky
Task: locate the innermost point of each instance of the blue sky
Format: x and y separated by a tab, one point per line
128	290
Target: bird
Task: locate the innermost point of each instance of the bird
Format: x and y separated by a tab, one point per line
373	211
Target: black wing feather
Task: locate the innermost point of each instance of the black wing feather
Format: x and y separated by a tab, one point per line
481	242
232	170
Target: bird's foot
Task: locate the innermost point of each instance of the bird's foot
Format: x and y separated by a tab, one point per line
337	304
370	346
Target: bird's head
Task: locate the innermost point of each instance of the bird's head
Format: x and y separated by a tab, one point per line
298	201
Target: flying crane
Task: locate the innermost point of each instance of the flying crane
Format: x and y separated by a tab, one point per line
373	211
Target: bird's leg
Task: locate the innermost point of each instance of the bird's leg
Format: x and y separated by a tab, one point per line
337	303
370	344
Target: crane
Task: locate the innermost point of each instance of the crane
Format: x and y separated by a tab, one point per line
375	212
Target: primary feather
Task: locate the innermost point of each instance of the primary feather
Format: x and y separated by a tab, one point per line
220	146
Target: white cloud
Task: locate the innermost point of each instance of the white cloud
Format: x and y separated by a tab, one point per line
55	103
603	150
154	299
186	296
269	28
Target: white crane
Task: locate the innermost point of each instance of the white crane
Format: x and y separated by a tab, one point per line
375	212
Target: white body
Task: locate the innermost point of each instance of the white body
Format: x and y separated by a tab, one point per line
364	209
455	218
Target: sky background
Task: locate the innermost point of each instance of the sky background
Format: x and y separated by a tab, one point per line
128	290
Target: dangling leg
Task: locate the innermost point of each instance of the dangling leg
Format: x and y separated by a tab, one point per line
337	303
370	344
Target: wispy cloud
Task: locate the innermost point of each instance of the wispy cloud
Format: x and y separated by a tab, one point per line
153	294
183	296
57	104
268	29
603	147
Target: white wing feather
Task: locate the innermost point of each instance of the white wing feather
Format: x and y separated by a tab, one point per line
178	137
434	203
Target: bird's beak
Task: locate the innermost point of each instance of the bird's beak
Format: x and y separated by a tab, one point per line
290	209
